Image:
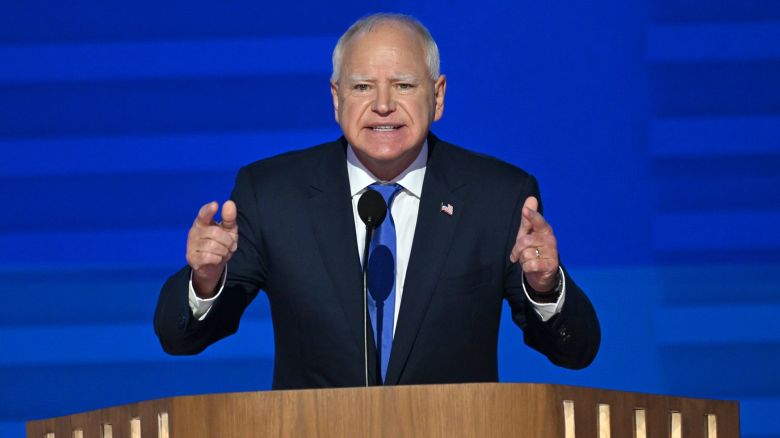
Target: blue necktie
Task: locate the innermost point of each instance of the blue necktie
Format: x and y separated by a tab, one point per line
381	278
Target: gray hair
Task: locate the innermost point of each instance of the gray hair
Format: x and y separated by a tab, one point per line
368	23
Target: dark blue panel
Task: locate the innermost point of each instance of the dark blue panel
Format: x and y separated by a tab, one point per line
716	89
69	389
675	11
749	193
158	106
110	202
722	371
41	20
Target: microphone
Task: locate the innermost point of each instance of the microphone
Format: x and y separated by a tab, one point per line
372	210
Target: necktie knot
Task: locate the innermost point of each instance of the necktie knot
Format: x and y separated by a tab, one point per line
388	191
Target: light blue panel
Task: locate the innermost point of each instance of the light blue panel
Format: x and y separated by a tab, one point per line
708	42
759	417
165	59
12	429
624	299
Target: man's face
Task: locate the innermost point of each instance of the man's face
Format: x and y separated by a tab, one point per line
385	99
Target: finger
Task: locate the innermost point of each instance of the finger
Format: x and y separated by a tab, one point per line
527	241
206	214
526	225
229	213
531	203
535	221
214	247
540	265
223	237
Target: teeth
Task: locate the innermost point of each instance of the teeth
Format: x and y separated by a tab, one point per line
384	128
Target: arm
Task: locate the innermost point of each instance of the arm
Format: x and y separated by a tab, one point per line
571	337
178	330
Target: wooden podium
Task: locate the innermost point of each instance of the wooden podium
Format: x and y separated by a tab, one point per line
467	410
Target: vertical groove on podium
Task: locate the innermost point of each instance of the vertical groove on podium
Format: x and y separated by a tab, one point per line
712	426
107	431
78	433
640	425
675	424
605	429
162	425
568	418
135	427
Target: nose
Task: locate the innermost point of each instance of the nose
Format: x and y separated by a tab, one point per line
384	102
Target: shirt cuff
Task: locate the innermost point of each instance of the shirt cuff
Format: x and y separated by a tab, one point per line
199	306
548	310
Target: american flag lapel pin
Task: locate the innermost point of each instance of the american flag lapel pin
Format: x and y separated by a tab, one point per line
447	209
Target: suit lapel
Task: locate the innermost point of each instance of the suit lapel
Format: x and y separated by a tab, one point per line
330	210
432	238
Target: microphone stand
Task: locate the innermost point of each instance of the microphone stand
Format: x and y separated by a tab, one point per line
366	246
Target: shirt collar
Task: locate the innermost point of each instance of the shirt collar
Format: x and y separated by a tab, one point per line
411	179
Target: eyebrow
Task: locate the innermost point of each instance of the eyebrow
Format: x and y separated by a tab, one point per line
367	78
360	78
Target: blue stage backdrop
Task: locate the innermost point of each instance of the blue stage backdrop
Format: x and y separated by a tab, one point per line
653	127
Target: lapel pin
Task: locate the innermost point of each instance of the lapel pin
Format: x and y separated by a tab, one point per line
448	209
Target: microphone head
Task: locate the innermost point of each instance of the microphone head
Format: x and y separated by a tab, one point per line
372	208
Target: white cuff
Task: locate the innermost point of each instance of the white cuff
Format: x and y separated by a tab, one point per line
547	310
199	306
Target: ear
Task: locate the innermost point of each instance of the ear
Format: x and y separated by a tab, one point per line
439	90
334	92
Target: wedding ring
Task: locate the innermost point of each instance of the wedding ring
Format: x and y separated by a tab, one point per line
538	254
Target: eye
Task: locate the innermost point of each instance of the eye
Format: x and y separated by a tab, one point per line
405	86
360	87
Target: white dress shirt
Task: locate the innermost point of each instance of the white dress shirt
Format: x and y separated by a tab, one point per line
404	209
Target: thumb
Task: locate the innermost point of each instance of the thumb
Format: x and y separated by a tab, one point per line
531	203
229	213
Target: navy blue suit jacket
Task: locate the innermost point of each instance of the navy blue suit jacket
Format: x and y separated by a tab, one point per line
297	242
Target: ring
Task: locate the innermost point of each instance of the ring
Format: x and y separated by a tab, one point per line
538	254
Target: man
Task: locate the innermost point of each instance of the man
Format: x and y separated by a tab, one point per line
467	232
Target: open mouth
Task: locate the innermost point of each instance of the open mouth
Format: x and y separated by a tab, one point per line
385	128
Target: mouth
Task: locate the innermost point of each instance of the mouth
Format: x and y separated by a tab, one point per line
385	128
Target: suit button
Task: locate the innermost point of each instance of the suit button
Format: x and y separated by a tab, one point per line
564	333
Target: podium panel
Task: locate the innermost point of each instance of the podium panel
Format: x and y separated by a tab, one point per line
464	410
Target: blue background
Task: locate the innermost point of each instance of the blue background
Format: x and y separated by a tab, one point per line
652	125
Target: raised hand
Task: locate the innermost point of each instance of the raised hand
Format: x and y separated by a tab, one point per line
210	245
536	249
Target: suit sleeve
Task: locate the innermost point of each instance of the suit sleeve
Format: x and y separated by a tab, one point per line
572	337
178	330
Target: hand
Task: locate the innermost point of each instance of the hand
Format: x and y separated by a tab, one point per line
210	245
536	249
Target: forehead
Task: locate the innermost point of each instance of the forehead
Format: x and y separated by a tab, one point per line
384	46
